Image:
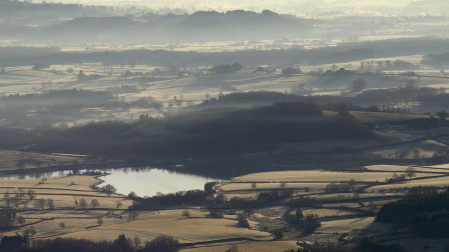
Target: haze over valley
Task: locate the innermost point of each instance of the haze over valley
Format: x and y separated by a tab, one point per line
224	125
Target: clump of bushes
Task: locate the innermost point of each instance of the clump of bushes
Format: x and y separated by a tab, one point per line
243	221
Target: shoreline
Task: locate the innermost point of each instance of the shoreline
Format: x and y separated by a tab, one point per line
5	173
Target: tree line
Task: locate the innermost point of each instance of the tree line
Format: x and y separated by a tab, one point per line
217	132
384	48
161	243
427	214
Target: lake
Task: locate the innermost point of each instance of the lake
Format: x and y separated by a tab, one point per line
143	181
149	182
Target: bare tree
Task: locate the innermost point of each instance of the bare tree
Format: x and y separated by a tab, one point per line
133	215
31	231
100	221
26	232
76	202
50	203
82	203
15	201
118	204
186	213
31	194
21	193
21	220
7	197
94	203
248	212
62	225
40	203
410	172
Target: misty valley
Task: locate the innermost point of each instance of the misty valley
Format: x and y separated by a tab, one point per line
232	126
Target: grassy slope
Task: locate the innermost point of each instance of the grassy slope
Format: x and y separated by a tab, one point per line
83	223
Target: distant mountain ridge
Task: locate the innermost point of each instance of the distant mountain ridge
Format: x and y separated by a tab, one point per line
169	28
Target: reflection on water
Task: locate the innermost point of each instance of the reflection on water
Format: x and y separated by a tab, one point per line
149	182
144	181
35	175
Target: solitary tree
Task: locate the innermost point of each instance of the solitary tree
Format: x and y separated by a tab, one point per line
40	203
94	203
81	75
109	189
249	212
243	221
283	185
410	172
186	213
31	194
21	193
133	215
132	195
100	221
83	203
51	203
62	225
118	204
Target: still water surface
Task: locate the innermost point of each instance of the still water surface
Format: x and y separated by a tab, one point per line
149	182
143	181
